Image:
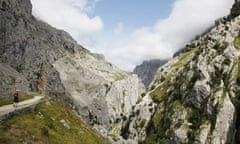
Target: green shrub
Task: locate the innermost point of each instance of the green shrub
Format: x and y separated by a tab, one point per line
227	61
220	47
152	87
216	77
44	131
236	42
143	94
155	99
162	79
238	81
195	119
226	27
142	123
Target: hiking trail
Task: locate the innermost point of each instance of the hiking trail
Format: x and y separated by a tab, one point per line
7	111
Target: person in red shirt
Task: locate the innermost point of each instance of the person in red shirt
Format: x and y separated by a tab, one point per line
16	95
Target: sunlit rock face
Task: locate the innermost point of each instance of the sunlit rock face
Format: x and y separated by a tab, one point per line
197	93
103	95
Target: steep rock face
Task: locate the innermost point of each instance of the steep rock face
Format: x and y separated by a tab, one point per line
235	11
147	70
31	46
102	94
10	80
197	93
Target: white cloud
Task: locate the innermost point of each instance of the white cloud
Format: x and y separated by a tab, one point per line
70	15
187	19
119	29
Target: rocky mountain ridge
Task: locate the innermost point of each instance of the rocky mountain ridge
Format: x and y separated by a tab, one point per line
235	11
103	95
197	93
147	70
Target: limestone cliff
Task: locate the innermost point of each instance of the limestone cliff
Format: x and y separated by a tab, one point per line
197	93
102	94
31	46
147	70
10	80
235	11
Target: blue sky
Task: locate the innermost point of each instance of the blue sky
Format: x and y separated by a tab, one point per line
130	31
132	13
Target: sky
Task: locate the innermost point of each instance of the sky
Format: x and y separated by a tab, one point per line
130	31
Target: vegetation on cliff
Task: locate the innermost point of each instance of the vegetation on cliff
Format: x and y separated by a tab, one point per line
49	124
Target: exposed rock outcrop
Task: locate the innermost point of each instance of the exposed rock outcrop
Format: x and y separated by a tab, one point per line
101	93
10	80
147	70
235	11
31	46
197	93
105	96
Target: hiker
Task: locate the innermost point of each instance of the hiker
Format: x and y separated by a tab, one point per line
16	95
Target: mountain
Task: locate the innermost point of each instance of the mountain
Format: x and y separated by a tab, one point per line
197	92
147	70
104	96
235	11
10	80
194	98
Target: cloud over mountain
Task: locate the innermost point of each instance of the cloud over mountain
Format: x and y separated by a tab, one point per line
71	16
188	18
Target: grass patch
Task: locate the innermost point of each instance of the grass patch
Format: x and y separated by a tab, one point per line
45	125
238	75
119	76
21	98
236	42
159	93
216	77
184	58
161	90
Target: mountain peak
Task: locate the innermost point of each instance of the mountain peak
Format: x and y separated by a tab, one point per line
19	7
147	70
235	11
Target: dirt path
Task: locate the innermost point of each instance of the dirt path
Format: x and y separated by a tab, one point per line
8	110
